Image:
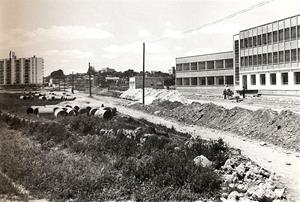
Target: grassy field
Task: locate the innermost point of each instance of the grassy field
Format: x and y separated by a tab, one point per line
10	102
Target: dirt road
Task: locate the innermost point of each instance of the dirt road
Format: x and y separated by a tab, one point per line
284	163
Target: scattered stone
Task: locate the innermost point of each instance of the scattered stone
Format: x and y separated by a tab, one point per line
202	161
288	163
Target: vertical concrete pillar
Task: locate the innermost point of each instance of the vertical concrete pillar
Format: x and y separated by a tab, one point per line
224	67
278	79
215	64
268	80
205	65
291	78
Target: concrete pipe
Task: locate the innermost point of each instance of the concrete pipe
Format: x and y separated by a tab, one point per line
76	108
93	111
29	110
71	112
68	106
105	114
88	109
60	113
22	97
45	111
112	109
82	111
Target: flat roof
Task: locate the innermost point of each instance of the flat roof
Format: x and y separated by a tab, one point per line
270	22
205	54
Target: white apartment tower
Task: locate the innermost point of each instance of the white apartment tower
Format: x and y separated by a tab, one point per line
21	71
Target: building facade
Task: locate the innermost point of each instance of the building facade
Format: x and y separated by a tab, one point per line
21	71
150	82
267	57
205	73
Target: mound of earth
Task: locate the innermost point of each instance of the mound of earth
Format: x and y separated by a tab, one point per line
281	129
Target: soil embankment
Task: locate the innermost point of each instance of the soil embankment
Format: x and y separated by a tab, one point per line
282	129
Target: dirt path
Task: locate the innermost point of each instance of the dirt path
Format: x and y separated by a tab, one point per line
274	159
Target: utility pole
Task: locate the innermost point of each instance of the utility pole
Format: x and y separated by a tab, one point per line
143	73
90	82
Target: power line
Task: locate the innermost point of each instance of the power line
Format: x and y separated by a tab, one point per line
216	21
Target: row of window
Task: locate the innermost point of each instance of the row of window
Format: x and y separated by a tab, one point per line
281	35
203	81
279	57
273	79
208	65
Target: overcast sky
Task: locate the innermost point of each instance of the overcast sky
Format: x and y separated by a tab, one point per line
109	33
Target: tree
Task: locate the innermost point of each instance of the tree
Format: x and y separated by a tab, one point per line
58	74
92	69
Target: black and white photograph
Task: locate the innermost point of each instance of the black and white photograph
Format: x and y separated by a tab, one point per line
150	100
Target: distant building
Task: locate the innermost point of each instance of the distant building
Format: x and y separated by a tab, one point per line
205	74
21	71
107	70
150	82
171	71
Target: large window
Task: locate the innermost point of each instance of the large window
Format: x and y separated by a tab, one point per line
242	61
250	42
246	61
287	35
280	35
287	56
229	80
269	58
194	66
284	78
253	79
186	81
275	57
242	43
211	80
298	31
297	77
194	81
262	79
229	63
246	42
202	81
293	55
254	60
250	60
264	39
259	40
179	81
178	67
270	38
220	64
275	36
273	79
186	67
201	65
259	59
293	33
210	64
264	59
220	80
281	59
254	41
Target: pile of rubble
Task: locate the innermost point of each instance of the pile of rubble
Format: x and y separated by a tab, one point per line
265	124
246	181
153	94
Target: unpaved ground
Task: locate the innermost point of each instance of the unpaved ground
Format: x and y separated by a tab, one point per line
276	103
275	159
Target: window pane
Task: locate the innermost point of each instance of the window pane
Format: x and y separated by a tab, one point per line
211	80
194	81
242	62
287	56
298	29
275	58
293	33
242	43
269	58
253	79
273	79
264	39
250	42
254	41
194	66
246	42
265	59
280	56
259	40
275	36
201	65
293	55
262	79
202	81
259	59
287	34
284	78
269	38
250	60
281	35
254	60
246	61
297	77
179	67
186	66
